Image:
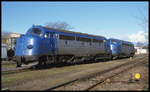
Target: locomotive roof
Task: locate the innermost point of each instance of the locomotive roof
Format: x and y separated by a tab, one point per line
121	40
66	31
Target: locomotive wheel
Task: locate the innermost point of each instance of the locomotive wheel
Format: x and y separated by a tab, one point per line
40	63
19	64
110	57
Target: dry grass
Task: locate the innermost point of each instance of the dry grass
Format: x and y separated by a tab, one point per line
54	74
15	79
8	66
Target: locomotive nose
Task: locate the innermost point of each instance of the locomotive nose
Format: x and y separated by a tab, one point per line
27	45
27	49
31	43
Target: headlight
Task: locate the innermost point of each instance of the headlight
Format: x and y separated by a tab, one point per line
111	47
30	46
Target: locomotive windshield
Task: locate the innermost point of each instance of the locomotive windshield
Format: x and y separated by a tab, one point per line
36	31
113	41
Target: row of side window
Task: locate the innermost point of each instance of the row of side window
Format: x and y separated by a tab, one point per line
66	37
100	44
48	35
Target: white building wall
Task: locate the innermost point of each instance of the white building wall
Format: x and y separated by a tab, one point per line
141	51
3	51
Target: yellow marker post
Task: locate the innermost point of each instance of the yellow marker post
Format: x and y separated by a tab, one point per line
131	58
137	76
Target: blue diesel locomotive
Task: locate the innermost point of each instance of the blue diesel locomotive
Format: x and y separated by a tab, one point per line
121	48
45	44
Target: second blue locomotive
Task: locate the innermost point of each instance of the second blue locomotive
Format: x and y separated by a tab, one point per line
47	44
121	48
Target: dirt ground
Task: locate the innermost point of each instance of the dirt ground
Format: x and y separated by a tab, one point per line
45	78
86	83
8	66
127	81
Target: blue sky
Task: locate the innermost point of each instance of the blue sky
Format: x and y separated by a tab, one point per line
109	19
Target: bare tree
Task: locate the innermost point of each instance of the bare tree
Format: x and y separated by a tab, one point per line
5	33
5	36
142	18
146	47
59	25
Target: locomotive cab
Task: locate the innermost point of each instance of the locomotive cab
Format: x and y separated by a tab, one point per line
34	44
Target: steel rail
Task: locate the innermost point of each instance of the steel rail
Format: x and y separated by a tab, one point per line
115	74
17	71
92	75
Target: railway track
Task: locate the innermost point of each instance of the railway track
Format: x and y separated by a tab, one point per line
113	75
107	74
8	63
16	71
24	68
91	75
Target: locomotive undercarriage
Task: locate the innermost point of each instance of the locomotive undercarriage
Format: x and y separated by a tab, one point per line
127	55
122	55
72	59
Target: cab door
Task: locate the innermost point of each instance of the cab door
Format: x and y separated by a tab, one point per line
49	42
52	41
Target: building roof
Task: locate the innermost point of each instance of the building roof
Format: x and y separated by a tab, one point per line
10	35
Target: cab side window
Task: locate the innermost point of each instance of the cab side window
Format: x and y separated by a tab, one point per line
47	35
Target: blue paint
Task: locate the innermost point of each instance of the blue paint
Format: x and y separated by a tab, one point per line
41	45
47	46
108	50
22	45
117	48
